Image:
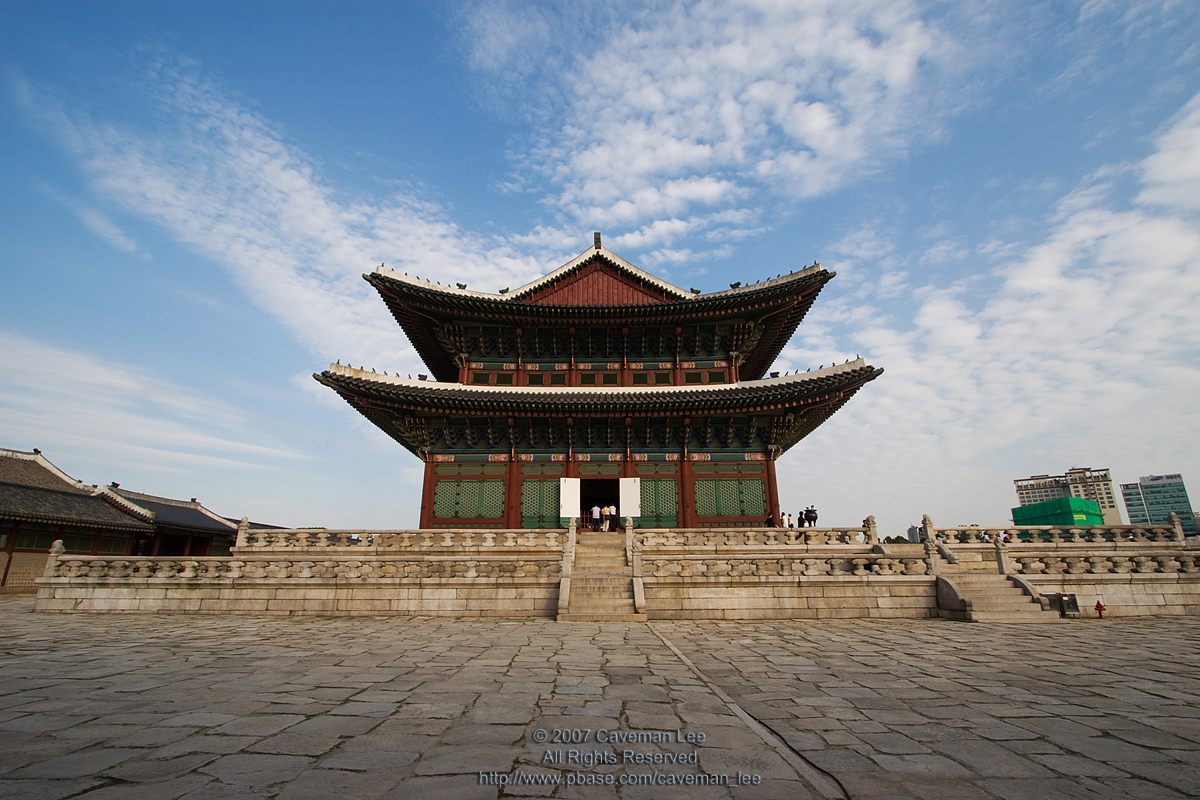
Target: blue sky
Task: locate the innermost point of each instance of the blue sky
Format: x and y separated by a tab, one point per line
1009	194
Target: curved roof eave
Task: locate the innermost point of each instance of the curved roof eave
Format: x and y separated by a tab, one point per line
611	398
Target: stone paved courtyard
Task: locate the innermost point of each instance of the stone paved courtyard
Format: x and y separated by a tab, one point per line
139	706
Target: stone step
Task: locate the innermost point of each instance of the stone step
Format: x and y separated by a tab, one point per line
601	607
985	604
600	617
1014	616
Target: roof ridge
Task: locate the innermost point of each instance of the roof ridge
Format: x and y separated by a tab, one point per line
611	257
126	505
170	501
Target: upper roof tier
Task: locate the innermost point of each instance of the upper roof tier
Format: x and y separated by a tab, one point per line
600	289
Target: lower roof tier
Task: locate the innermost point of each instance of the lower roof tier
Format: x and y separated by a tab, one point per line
429	416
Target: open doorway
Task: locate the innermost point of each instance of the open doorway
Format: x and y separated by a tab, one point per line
598	492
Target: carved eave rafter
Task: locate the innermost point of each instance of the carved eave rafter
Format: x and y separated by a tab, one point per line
796	404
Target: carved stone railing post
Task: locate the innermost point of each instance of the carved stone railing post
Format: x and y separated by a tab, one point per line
243	533
1173	521
931	553
872	534
56	550
1001	553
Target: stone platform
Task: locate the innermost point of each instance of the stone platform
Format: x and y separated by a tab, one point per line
204	707
969	574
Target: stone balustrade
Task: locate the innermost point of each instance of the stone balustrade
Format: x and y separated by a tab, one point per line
1146	561
1049	534
756	537
110	568
383	541
790	567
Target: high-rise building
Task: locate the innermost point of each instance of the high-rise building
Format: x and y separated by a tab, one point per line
1090	484
1154	496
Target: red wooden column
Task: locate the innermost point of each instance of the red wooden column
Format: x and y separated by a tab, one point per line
512	492
427	492
772	488
687	493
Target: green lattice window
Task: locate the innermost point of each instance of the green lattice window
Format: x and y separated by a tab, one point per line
468	499
730	497
660	504
539	504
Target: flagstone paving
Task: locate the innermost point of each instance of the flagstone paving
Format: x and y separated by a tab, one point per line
132	706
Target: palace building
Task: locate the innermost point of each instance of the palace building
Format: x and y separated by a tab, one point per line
599	384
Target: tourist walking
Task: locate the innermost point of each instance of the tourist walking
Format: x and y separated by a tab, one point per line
789	520
595	518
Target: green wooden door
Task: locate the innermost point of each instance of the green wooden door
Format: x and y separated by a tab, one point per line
660	504
539	504
468	499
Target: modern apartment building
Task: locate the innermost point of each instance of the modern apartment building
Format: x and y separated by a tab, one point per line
1154	496
1090	484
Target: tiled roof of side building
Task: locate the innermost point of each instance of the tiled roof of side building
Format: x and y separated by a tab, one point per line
65	507
34	469
188	514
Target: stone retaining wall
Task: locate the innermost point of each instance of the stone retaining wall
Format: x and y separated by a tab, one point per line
682	574
847	597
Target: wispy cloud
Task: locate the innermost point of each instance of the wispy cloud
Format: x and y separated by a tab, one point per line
120	415
1087	344
220	179
695	107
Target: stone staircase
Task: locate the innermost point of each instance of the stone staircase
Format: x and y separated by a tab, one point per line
601	582
993	597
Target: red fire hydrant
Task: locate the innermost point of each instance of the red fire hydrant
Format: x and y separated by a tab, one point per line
1100	609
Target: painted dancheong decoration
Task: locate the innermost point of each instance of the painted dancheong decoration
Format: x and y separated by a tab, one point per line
600	373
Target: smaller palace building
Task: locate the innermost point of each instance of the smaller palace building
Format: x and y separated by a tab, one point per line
599	384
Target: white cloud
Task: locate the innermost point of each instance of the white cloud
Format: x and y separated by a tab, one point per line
1084	352
103	227
1172	175
219	179
62	400
701	105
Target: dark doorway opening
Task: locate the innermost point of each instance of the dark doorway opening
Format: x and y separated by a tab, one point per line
598	492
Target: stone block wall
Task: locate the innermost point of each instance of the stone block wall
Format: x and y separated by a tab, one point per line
846	597
471	597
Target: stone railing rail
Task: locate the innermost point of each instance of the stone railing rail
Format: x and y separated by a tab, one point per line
856	565
1172	531
424	540
108	568
651	538
1145	561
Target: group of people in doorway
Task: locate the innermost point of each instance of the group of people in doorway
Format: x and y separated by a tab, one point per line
603	518
807	518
